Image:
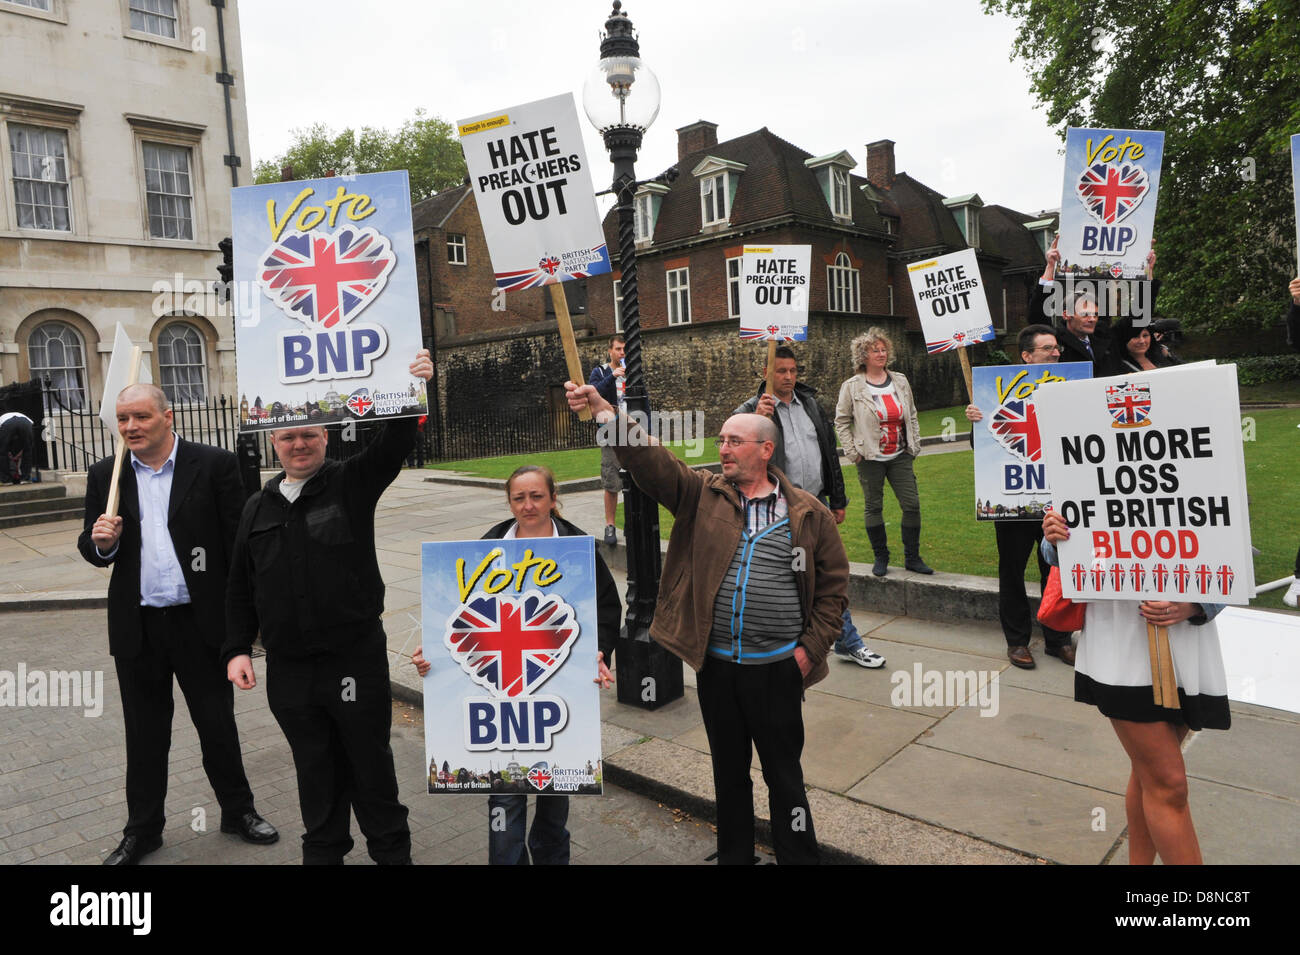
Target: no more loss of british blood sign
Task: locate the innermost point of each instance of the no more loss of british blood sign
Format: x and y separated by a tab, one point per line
1148	472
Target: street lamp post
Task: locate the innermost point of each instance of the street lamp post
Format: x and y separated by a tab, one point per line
648	675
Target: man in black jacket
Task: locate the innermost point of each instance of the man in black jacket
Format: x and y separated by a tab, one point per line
169	549
306	575
806	454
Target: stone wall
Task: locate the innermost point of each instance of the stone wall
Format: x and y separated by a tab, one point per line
703	367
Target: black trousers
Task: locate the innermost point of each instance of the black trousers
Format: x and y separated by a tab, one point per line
17	449
168	645
757	706
1016	540
336	712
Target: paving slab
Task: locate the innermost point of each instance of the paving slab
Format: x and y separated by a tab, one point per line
1256	754
1238	827
1019	810
1039	733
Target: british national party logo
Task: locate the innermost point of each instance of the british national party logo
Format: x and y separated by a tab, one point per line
1129	404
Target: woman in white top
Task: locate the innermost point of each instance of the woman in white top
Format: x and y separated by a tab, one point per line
1112	671
876	421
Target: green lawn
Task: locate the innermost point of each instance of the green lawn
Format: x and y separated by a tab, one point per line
585	462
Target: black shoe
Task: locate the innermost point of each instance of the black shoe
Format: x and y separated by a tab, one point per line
251	828
880	547
611	539
912	551
132	849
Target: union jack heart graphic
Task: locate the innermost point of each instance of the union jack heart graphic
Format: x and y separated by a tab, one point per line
323	279
539	774
511	646
548	264
1015	425
1111	193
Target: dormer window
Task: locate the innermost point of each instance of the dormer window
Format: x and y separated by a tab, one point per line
645	211
966	211
718	179
832	172
713	199
840	193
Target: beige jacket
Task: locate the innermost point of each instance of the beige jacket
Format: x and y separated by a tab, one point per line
859	428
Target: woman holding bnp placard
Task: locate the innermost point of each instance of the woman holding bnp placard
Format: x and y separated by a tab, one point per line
530	491
1112	671
876	421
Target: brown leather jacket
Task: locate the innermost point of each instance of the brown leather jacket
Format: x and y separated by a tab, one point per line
707	519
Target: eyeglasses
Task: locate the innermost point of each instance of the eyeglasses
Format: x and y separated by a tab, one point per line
733	442
1048	348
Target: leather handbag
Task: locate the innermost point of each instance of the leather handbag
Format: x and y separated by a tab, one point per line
1057	611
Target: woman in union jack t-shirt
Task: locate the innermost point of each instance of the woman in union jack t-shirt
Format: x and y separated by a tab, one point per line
876	421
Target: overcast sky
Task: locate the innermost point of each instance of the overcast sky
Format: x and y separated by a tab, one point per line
932	75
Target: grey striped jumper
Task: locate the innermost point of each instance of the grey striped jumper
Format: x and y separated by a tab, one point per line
756	615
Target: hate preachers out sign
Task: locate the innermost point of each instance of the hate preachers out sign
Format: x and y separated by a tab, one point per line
1148	472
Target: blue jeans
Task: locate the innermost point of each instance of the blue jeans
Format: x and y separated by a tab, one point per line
548	841
849	639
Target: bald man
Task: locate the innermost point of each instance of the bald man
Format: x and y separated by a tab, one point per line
753	602
169	547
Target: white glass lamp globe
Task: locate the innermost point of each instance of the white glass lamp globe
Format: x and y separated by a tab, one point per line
621	93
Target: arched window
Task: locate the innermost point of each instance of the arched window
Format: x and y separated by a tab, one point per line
842	285
180	363
55	351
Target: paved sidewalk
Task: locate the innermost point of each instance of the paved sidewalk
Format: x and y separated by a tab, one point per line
1042	779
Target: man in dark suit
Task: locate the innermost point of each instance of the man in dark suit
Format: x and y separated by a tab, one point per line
170	550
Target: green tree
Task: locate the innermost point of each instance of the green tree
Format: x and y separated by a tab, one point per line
1221	78
426	147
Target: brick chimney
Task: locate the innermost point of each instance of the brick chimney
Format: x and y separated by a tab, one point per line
880	163
700	134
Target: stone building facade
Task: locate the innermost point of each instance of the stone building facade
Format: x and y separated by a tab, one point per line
120	130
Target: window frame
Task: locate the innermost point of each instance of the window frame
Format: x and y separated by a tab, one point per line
840	190
188	153
733	286
39	372
643	217
54	12
677	283
842	280
202	364
157	132
183	33
618	306
721	193
456	241
67	182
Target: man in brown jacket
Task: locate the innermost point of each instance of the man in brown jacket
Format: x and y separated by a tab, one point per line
753	602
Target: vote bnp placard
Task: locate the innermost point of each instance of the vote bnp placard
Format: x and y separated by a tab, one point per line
510	705
1010	477
950	301
774	283
1108	203
327	315
1147	470
535	197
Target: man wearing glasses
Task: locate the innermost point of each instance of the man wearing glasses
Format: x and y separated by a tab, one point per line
1016	539
806	454
753	602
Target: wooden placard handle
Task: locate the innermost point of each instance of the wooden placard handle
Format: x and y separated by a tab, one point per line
119	455
1164	683
965	373
770	387
561	304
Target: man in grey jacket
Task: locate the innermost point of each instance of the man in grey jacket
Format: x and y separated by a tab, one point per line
806	454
